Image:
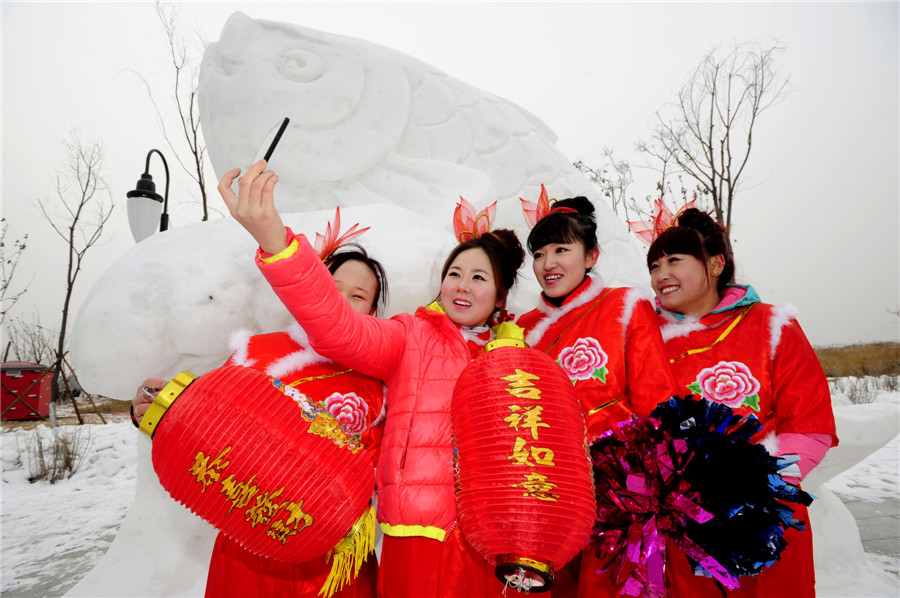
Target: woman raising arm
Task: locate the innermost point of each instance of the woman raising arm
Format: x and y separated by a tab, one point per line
419	356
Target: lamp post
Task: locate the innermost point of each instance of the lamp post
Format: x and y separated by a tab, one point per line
143	203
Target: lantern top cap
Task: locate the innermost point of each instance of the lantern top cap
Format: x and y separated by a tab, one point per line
164	400
507	334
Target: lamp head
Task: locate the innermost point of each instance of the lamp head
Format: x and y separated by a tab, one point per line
145	187
143	206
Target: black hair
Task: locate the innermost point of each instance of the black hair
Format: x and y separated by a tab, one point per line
351	252
565	226
505	253
697	235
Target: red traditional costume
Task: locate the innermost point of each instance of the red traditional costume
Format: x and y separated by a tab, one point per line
357	401
754	358
607	339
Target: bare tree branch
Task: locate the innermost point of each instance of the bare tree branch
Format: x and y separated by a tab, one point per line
185	58
9	260
710	133
612	179
83	207
29	341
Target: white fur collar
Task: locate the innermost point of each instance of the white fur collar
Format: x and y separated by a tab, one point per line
674	327
472	335
782	315
632	297
239	344
553	314
298	359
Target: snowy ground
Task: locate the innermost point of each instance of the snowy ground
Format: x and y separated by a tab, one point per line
54	534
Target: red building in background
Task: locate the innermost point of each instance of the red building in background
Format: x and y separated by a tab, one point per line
24	390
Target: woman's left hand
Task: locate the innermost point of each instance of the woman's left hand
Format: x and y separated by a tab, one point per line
254	206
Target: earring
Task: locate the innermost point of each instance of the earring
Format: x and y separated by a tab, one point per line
717	272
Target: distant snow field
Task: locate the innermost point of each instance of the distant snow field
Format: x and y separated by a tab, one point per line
54	534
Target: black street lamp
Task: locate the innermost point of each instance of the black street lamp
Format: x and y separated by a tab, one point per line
144	202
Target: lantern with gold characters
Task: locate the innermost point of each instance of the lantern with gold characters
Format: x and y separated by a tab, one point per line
263	464
525	492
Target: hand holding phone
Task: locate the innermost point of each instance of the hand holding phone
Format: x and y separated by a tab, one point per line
271	140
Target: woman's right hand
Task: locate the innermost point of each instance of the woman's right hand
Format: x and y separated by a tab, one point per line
254	205
145	395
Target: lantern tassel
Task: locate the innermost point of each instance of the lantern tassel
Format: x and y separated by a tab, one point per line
350	553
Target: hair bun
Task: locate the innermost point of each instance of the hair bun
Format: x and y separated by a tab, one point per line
511	245
580	204
701	222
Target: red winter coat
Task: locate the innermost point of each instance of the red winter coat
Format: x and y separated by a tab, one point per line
419	358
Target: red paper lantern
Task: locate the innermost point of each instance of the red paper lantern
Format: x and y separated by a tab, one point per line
260	462
525	490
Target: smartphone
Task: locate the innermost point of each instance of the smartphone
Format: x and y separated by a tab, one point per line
268	146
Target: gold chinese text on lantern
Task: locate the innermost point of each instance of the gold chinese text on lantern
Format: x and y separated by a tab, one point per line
261	507
528	417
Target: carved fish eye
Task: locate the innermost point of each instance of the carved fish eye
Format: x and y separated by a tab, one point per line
300	65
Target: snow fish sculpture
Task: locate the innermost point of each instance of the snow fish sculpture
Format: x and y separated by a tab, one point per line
388	138
370	124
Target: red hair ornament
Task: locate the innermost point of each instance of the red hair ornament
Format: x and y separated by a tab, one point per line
649	230
468	225
525	492
534	212
266	466
331	241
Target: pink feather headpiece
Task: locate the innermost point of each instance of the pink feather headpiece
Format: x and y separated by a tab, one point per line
331	242
649	230
469	225
535	212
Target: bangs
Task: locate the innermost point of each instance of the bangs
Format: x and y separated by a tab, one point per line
555	228
678	239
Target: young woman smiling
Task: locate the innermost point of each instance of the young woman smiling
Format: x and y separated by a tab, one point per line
419	356
727	346
606	339
358	401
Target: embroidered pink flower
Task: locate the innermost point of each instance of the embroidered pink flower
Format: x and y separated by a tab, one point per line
728	382
350	410
584	360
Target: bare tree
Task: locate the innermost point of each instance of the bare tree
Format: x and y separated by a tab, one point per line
9	260
29	341
709	134
613	180
185	53
83	207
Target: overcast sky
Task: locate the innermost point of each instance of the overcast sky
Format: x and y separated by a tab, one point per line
815	223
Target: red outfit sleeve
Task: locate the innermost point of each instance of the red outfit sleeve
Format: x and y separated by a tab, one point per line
367	344
649	373
801	397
